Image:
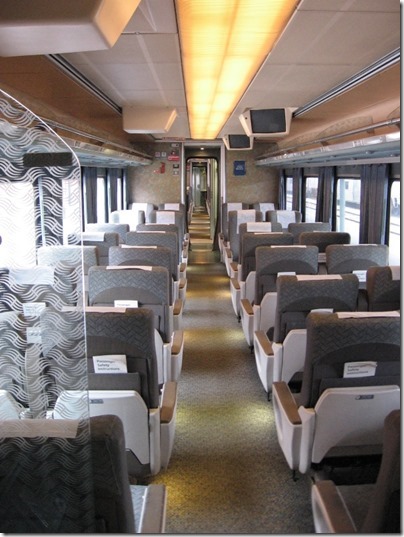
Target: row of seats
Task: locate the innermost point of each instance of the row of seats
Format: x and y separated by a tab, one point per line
322	318
124	314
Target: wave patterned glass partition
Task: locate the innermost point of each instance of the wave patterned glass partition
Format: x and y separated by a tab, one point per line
45	456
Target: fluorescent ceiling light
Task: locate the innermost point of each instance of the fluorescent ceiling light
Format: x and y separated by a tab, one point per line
223	44
30	27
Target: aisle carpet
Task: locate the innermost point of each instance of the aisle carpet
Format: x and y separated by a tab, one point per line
227	473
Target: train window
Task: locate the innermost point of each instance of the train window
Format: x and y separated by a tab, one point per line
348	203
394	224
289	193
101	198
310	199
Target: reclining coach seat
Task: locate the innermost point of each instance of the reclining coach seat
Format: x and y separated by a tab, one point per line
253	234
283	217
37	455
236	218
103	241
223	237
263	207
143	209
183	244
156	256
176	218
351	382
304	227
383	288
322	239
121	229
270	261
356	258
150	288
280	354
123	380
369	508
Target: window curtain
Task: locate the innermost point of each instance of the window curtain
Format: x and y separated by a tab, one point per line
113	175
125	189
374	188
297	189
89	176
325	192
282	190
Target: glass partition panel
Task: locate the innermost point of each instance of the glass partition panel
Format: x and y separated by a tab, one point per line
45	454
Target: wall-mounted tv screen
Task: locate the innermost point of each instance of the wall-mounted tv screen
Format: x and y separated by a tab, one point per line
266	122
238	141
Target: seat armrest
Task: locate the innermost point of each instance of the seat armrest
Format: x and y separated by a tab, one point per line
182	283
246	304
287	401
177	341
330	513
264	342
178	305
235	283
234	266
183	267
228	253
168	401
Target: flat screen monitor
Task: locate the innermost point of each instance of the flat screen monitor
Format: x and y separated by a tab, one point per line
238	141
269	122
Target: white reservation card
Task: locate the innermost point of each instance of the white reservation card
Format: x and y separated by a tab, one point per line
126	304
359	369
110	363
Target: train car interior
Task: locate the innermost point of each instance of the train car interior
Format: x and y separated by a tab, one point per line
200	281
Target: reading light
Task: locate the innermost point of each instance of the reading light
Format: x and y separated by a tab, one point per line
223	44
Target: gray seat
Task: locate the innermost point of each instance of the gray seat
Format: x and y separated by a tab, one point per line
131	217
183	245
263	207
322	239
284	217
304	227
96	497
364	508
351	382
236	218
144	288
243	284
121	229
143	209
270	261
223	237
346	258
280	352
102	240
383	288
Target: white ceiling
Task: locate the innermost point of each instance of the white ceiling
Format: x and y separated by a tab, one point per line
325	43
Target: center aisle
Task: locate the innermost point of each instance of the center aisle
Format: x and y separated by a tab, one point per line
227	473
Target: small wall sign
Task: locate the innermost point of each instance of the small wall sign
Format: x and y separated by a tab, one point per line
239	167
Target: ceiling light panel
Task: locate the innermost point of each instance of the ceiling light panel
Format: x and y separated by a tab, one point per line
224	43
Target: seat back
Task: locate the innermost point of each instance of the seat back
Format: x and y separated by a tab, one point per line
236	218
170	228
129	333
345	258
35	458
304	227
383	286
149	286
263	207
249	240
284	217
121	229
356	339
176	218
131	217
271	260
13	344
102	240
143	210
226	208
298	295
322	239
168	239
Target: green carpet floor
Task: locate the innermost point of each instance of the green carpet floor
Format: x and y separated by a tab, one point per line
227	473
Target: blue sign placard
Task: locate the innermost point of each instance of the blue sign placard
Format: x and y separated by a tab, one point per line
239	167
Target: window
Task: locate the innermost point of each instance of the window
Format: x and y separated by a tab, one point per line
394	224
348	203
310	199
289	193
101	198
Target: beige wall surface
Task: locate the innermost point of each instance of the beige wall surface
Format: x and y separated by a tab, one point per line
259	184
152	184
